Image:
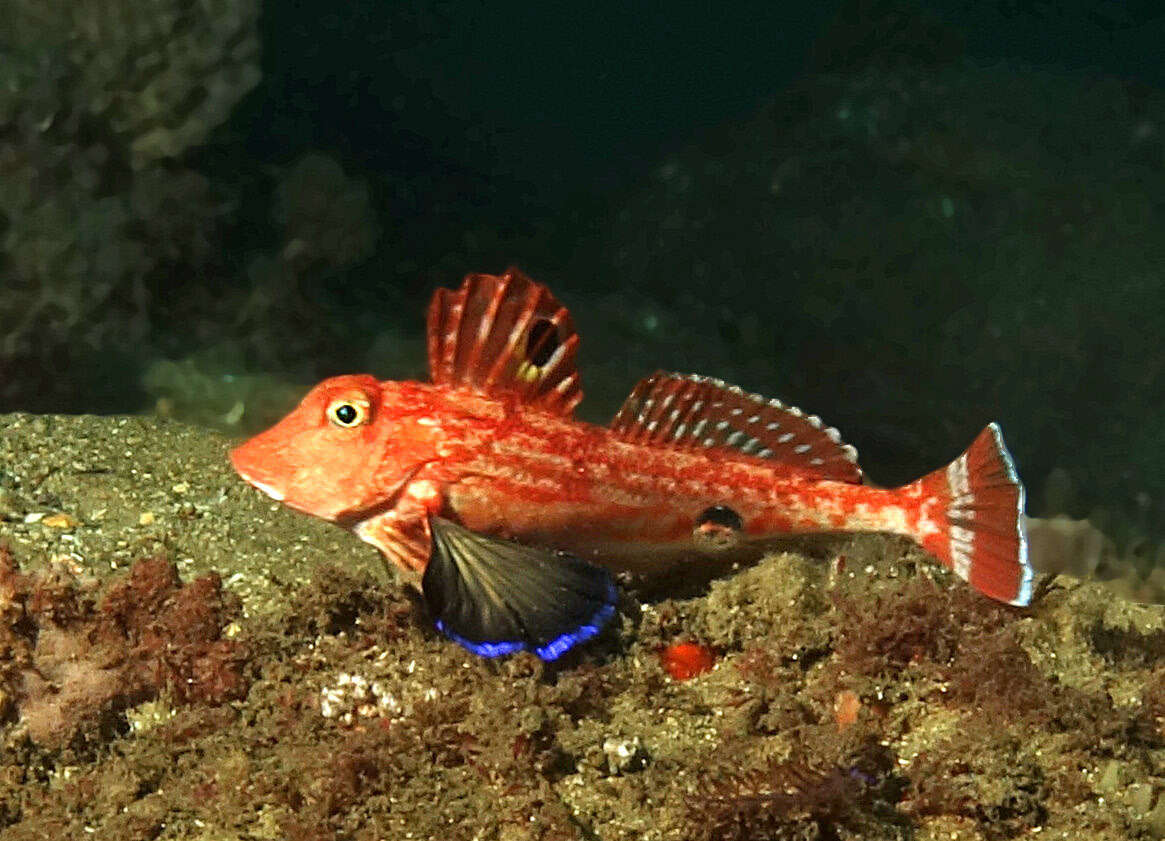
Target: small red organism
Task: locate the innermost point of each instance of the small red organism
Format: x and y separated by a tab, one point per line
846	707
685	660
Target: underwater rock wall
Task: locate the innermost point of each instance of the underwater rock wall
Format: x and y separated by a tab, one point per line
158	75
96	99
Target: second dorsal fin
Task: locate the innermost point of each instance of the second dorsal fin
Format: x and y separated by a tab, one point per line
694	411
505	334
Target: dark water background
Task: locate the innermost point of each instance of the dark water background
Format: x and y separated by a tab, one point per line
911	218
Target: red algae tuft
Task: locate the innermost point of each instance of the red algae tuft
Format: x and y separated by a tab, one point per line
73	666
175	631
796	799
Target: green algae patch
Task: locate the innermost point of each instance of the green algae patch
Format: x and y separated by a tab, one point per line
858	691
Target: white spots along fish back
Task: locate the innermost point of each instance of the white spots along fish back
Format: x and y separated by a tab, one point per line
689	410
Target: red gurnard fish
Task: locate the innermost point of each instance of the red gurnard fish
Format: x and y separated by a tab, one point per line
510	512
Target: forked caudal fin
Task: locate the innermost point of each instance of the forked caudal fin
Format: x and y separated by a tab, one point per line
981	534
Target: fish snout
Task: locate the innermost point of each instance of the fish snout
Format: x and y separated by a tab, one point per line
247	459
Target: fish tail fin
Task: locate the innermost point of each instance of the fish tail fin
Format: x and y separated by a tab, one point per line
982	532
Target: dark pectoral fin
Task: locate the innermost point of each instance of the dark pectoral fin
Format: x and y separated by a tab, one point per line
496	596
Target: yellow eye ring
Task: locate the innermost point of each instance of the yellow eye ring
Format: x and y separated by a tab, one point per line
348	413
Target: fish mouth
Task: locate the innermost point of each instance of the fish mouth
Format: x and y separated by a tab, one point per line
238	458
267	489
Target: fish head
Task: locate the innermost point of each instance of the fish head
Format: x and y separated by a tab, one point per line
341	451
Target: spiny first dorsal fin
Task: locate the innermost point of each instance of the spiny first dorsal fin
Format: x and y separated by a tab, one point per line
505	334
688	410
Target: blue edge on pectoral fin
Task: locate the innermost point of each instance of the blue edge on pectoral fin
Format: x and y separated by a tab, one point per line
495	596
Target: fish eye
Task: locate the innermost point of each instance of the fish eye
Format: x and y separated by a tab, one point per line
348	413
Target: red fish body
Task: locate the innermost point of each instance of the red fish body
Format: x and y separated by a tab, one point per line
511	510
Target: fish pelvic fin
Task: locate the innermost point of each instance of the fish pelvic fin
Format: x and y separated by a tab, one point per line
980	531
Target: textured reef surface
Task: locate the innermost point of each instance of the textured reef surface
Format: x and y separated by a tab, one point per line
181	658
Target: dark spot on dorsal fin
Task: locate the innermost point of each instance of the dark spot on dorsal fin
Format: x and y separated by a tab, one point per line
541	342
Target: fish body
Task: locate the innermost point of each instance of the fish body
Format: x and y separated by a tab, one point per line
510	511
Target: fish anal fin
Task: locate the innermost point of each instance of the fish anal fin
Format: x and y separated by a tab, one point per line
505	334
495	596
687	410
